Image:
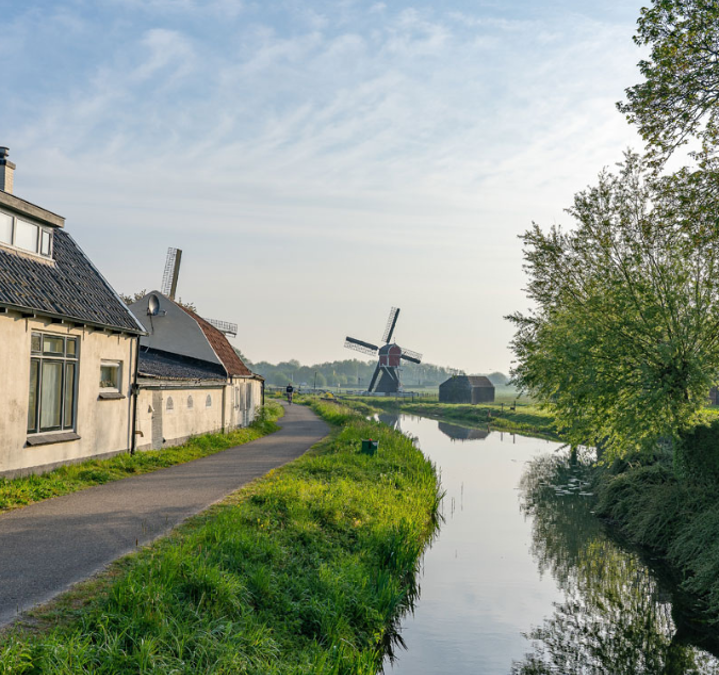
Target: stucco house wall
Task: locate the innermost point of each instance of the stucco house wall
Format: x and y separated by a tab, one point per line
104	425
159	425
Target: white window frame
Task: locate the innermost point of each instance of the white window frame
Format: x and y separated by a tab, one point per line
41	230
106	363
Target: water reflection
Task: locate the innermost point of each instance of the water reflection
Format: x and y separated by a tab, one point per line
458	433
390	420
616	617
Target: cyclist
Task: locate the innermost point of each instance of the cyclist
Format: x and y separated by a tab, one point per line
290	390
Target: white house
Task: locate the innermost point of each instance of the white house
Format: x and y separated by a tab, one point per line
68	344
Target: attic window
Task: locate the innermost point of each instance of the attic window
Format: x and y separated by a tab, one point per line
25	235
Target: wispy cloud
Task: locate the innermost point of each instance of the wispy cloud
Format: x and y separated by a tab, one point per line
415	138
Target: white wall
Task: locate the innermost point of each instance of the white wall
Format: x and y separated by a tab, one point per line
159	427
104	426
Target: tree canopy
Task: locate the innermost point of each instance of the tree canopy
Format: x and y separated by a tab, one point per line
679	97
624	342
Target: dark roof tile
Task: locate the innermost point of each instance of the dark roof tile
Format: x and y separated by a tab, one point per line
72	288
156	363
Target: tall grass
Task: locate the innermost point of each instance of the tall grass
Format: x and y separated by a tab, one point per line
18	492
304	571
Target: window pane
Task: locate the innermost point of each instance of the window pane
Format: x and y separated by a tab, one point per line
69	395
45	242
32	403
5	228
110	376
36	342
26	235
51	395
53	345
72	347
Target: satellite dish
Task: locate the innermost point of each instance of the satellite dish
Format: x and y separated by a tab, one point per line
153	305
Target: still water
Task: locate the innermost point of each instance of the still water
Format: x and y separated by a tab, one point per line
523	579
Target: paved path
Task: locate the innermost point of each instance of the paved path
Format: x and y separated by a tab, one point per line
47	547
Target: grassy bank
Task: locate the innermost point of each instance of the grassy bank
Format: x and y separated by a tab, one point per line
526	419
668	503
304	571
18	492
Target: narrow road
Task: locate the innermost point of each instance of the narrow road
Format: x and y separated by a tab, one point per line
47	547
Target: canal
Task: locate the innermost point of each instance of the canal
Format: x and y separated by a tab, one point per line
523	579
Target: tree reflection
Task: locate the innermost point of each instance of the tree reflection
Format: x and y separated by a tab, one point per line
615	617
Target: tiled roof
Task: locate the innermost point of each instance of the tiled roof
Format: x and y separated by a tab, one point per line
72	288
221	346
156	363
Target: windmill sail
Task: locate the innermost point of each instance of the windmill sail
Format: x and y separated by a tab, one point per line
409	355
171	273
361	346
391	323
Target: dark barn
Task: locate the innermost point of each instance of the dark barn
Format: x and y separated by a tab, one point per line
466	389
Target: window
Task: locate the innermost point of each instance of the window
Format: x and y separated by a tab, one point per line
190	403
170	404
25	235
208	401
5	228
53	383
110	375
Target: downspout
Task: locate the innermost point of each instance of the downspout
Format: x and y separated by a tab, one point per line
224	402
135	394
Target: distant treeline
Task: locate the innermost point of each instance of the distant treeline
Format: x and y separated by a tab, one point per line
353	373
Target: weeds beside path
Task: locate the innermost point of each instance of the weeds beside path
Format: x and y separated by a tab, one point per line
19	492
304	571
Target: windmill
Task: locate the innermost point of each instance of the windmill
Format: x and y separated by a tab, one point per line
169	288
390	357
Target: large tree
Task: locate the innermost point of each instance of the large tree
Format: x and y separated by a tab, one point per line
679	97
623	343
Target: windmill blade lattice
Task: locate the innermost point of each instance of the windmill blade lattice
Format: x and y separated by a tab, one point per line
391	323
361	346
409	355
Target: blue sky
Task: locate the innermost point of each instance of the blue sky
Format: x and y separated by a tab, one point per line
318	162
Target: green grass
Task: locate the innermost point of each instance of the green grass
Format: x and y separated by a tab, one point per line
304	571
526	418
18	492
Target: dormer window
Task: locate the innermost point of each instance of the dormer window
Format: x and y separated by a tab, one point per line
25	235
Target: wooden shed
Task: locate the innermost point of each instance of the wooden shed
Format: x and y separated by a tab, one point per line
466	389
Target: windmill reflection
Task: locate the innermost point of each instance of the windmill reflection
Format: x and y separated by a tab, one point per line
390	420
617	618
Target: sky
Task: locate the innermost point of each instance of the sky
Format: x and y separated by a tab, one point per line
319	161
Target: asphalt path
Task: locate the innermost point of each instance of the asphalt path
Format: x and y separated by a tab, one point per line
47	547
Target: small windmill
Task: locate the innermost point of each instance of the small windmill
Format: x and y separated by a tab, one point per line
169	288
390	357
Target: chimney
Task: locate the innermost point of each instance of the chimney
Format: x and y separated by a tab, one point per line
7	171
